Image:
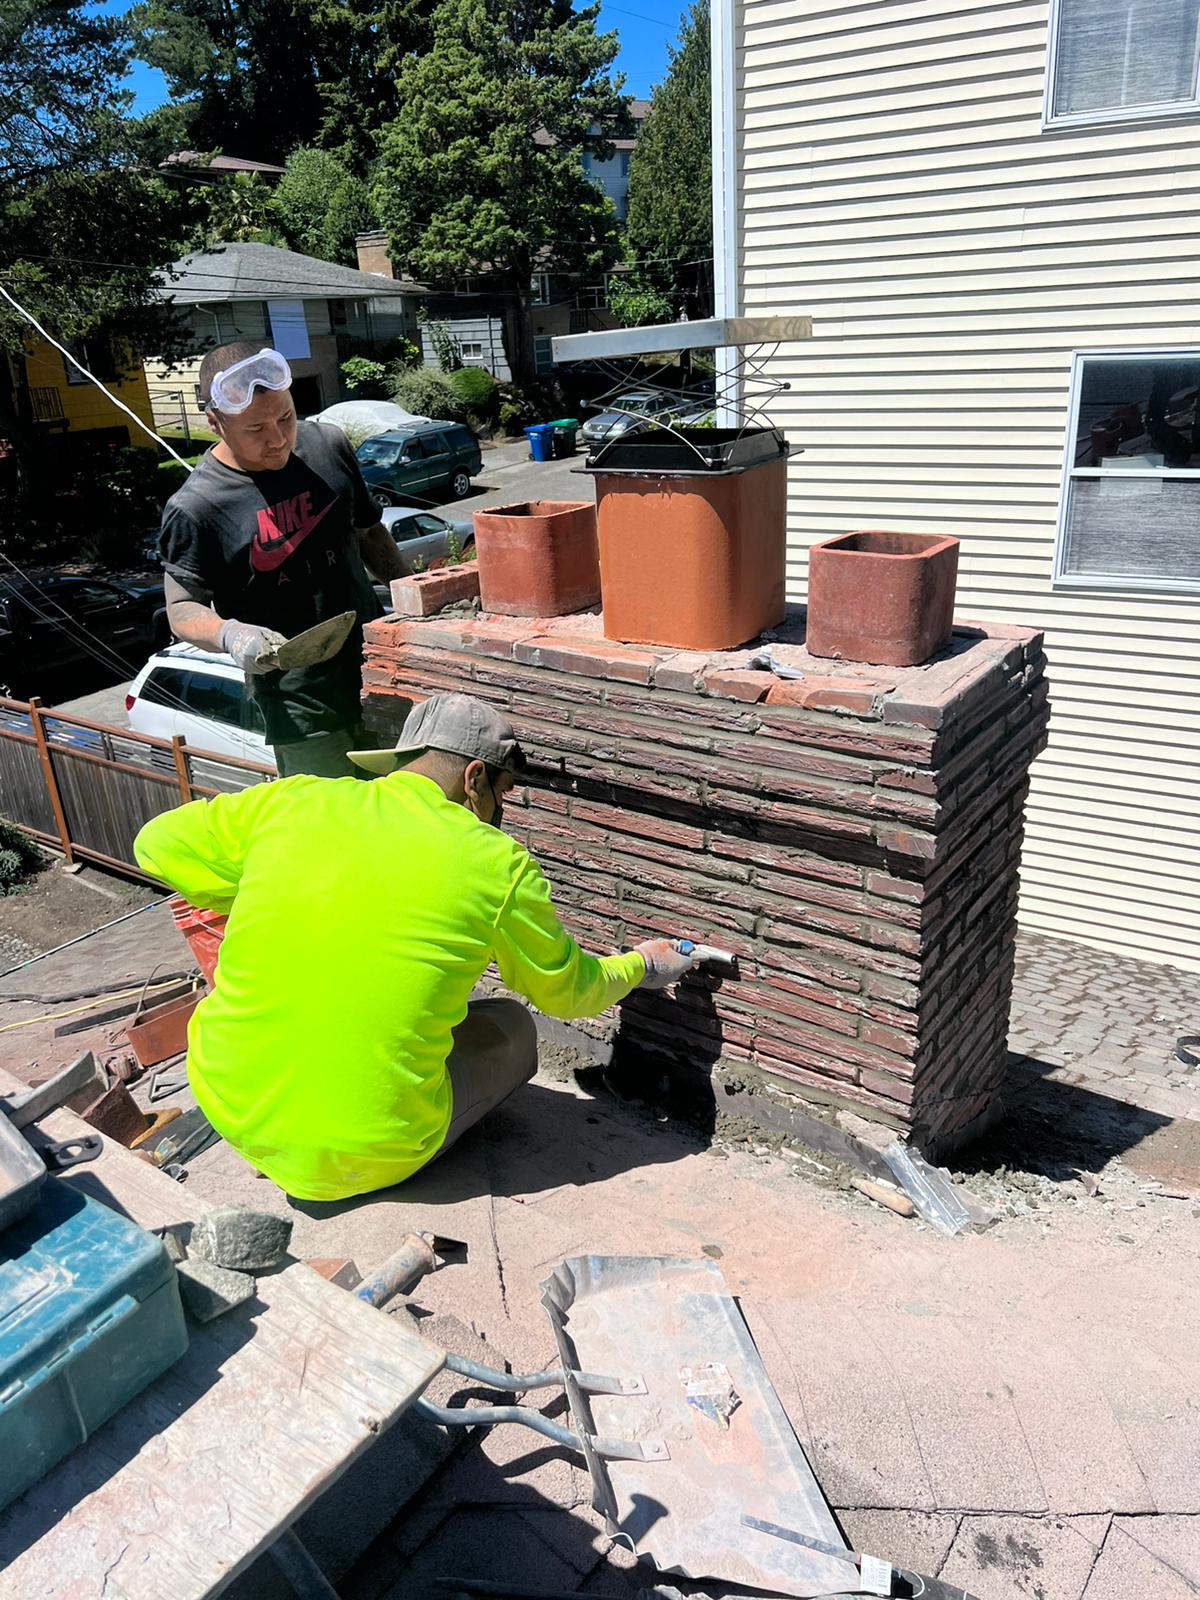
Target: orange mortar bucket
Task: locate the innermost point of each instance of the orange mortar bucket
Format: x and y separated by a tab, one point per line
203	930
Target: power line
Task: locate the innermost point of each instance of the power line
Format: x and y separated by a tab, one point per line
91	377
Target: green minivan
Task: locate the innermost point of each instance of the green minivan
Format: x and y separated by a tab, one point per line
420	463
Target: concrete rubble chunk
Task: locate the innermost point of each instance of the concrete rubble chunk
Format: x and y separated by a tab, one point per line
209	1291
237	1237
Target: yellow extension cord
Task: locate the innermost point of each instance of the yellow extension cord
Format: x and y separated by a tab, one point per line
91	1005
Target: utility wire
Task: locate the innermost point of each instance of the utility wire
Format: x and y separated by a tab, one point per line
91	377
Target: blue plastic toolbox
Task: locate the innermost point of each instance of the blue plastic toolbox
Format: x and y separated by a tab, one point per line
89	1315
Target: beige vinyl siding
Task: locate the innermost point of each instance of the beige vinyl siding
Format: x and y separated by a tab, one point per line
895	184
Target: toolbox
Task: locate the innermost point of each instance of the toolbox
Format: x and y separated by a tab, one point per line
89	1315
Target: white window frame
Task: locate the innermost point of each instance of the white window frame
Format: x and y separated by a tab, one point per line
540	287
471	350
1115	580
1092	119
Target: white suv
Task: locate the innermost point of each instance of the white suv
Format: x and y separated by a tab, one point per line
202	696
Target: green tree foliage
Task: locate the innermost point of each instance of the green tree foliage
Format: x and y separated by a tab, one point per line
245	73
319	205
669	226
260	78
635	303
366	378
87	219
239	209
467	180
19	858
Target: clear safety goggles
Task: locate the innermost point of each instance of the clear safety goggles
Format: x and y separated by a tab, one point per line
232	391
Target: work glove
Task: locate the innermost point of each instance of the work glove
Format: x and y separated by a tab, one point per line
253	648
664	964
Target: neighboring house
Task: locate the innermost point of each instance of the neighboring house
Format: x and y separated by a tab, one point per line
72	411
316	313
989	212
562	303
209	169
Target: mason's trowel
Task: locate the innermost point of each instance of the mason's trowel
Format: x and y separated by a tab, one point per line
314	645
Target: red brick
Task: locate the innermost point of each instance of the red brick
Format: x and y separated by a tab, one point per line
748	686
427	592
786	858
891	1088
890	888
681	672
903	842
590	659
498	637
643	824
889	1039
826	694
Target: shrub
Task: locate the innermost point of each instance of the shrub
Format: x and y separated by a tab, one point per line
18	857
512	416
477	390
365	378
427	393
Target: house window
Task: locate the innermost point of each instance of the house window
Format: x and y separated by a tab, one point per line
1114	60
98	356
471	349
539	288
543	354
1130	512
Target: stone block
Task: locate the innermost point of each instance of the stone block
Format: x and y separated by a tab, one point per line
210	1291
241	1239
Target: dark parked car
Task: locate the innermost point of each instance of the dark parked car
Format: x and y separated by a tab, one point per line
52	625
421	463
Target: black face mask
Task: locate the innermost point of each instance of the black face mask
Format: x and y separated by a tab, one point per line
497	820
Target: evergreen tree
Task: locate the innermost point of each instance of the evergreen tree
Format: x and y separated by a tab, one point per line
481	168
669	226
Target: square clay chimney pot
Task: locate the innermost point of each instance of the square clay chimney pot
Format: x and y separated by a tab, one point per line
884	598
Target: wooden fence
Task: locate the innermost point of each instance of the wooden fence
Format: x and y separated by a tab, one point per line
87	788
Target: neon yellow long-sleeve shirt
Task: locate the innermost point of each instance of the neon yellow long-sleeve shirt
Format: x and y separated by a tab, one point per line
361	915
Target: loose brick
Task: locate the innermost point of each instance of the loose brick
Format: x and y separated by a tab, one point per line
427	592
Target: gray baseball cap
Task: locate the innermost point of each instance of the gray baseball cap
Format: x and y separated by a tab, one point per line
453	722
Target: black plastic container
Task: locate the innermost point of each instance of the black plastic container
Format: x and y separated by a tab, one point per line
688	451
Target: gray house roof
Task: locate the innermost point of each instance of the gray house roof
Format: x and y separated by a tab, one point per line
263	272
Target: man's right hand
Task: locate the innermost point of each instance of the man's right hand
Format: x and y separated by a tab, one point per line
664	964
253	648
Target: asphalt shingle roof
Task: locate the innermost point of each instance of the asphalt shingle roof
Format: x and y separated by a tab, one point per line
264	272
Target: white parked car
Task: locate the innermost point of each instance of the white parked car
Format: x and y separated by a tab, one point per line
201	696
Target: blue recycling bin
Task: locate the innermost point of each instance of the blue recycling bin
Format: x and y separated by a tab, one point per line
541	441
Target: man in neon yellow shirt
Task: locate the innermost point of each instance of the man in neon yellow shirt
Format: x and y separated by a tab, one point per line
340	1051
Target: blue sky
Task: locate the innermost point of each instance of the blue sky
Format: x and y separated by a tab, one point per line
646	27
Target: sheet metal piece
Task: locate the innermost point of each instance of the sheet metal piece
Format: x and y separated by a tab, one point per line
661	1317
929	1189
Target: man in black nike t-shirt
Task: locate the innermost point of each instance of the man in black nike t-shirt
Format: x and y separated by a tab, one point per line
273	532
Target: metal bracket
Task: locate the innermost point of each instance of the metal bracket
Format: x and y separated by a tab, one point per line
553	1377
487	1416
